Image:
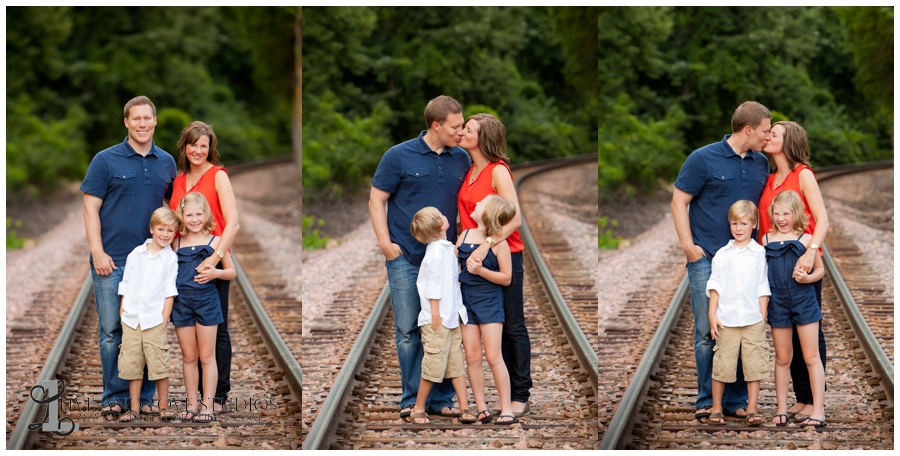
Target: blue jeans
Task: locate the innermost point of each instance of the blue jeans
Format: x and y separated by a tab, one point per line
406	305
107	303
735	396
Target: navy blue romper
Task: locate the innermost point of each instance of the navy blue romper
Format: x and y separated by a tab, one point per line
196	302
792	303
482	298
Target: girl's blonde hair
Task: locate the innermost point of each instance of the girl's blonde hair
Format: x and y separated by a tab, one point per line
166	217
498	211
792	200
195	199
426	225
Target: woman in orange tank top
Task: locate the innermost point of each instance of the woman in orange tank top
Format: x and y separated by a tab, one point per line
198	161
788	149
484	137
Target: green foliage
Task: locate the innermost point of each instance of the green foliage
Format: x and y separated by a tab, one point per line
607	240
374	69
13	240
312	238
670	79
72	69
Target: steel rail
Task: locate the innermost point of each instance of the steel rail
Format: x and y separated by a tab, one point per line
584	350
280	351
20	435
622	420
322	431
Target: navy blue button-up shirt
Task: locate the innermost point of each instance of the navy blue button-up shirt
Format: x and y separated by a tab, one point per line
131	187
416	177
717	177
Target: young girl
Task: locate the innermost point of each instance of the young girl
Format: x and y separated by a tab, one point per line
483	298
793	302
197	312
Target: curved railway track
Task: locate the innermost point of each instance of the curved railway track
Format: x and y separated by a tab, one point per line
361	407
656	410
264	370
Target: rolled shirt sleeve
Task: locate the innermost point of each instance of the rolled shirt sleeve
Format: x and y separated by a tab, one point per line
714	282
431	268
171	288
763	280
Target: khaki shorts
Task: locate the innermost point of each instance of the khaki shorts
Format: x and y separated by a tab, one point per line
750	343
144	347
443	353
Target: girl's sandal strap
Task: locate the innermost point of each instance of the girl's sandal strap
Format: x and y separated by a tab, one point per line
463	413
717	419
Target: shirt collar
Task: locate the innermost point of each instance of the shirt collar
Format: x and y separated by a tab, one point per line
728	152
129	151
424	149
143	249
752	246
444	242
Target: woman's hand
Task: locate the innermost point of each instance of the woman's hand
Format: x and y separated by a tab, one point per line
474	262
206	274
473	265
800	274
211	262
807	260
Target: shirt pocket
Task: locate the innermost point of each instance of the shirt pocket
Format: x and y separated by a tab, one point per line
722	183
418	180
124	182
162	184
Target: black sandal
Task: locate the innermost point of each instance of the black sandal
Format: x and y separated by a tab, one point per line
702	412
486	419
781	420
819	423
108	413
513	420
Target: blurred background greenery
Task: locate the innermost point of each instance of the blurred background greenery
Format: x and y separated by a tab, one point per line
70	71
369	71
671	77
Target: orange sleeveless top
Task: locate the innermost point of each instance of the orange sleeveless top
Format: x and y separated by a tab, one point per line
473	192
205	186
791	182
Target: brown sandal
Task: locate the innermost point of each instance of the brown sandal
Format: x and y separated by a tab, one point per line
419	416
753	419
719	417
465	412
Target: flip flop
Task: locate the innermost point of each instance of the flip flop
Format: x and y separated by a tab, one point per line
524	410
512	420
780	422
702	412
166	415
204	418
419	416
818	423
734	414
108	413
444	414
404	413
154	410
486	419
720	419
753	419
187	415
127	417
462	420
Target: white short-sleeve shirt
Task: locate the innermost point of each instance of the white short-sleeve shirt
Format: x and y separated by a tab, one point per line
739	275
148	280
439	279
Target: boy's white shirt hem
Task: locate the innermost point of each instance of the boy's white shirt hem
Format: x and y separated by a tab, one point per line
148	280
740	277
439	279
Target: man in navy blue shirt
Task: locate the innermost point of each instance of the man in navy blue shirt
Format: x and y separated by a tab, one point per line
123	186
425	171
713	178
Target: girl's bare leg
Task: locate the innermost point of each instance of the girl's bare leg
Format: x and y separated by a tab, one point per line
471	336
809	342
491	335
784	351
206	340
187	338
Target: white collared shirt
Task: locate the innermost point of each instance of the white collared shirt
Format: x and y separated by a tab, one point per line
148	280
439	279
740	278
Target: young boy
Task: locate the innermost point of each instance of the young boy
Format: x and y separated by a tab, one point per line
148	293
738	291
442	310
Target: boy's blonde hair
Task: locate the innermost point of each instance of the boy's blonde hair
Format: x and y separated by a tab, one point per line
791	199
166	217
498	211
743	209
426	225
195	199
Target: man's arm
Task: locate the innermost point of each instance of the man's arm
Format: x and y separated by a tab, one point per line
378	212
680	202
103	264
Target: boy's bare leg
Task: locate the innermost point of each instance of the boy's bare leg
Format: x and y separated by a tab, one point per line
162	388
752	396
422	396
134	390
459	385
718	389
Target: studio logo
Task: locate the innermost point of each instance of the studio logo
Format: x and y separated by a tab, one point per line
49	394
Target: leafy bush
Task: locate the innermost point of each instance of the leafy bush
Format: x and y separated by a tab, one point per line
312	238
607	240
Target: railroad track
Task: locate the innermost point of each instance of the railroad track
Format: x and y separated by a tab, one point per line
656	411
361	408
264	370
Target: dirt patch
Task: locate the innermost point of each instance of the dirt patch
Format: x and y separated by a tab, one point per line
341	214
273	192
637	214
40	215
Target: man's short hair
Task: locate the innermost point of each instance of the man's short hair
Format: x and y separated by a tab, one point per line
743	209
749	113
439	108
139	101
164	216
426	225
